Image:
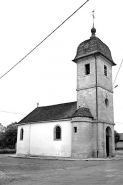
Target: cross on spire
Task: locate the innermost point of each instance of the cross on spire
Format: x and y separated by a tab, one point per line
93	17
93	30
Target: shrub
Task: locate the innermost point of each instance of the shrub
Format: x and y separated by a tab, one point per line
7	151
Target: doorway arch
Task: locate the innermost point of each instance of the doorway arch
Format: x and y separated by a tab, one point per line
108	142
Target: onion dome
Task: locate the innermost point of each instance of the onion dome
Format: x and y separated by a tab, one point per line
82	112
93	46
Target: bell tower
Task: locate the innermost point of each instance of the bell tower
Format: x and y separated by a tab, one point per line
95	91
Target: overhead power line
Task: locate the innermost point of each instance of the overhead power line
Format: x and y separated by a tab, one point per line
43	40
117	72
12	112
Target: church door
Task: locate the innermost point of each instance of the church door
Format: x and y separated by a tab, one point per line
108	142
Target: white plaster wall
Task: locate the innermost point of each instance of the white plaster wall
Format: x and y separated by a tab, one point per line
23	145
42	141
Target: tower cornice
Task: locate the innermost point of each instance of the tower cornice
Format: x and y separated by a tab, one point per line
91	87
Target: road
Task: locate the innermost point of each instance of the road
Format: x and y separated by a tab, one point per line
25	171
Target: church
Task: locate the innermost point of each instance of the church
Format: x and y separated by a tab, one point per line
81	129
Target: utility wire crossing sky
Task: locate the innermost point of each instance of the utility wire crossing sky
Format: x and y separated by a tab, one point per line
38	46
44	39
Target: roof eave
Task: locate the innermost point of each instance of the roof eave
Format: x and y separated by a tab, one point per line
92	53
46	121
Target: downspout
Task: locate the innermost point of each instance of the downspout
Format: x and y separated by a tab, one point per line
96	101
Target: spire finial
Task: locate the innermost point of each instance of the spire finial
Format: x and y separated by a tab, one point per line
93	17
93	30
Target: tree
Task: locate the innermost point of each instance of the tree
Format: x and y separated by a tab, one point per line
11	135
2	140
8	138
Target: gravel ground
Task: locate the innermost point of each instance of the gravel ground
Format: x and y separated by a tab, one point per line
25	171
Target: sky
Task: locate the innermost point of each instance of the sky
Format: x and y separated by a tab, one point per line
48	75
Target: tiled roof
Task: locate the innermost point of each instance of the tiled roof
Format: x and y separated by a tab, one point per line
83	112
92	46
53	112
56	112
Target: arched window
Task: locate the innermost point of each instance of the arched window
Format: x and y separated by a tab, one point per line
57	133
21	134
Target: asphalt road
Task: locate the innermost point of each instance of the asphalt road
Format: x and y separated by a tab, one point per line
20	171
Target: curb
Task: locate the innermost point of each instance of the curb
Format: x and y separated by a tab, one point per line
66	159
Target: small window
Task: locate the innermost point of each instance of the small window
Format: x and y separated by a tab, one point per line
57	133
106	102
105	70
87	69
21	134
75	129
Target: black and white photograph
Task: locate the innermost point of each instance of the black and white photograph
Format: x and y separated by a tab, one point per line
61	92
